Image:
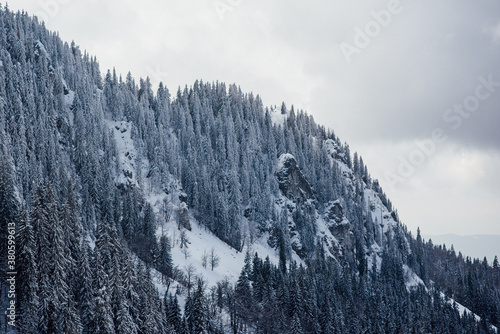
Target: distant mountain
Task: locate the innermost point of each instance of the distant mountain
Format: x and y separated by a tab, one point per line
475	246
125	209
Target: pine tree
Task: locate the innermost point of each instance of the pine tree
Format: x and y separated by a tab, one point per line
102	321
222	146
125	323
149	311
196	310
244	300
164	262
295	326
57	307
27	268
8	205
173	312
85	291
131	285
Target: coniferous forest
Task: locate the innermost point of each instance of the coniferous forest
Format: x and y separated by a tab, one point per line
103	178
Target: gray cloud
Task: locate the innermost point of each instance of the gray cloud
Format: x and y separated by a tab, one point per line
423	63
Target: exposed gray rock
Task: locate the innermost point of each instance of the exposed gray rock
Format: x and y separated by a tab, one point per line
335	212
340	228
292	182
183	214
183	197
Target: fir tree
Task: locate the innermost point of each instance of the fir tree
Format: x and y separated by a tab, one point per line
27	296
196	310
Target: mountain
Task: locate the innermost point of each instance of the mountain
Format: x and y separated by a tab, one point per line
124	210
476	246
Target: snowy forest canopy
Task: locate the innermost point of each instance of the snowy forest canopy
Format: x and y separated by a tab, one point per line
81	152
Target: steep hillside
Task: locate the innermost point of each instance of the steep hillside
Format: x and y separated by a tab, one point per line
136	212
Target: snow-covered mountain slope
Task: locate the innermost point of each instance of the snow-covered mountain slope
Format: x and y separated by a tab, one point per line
190	247
126	151
132	203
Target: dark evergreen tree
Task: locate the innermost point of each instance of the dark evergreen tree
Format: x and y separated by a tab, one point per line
9	207
196	310
57	306
85	291
102	321
173	313
82	158
164	261
27	267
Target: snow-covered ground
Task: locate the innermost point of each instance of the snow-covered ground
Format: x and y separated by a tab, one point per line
464	310
411	279
277	117
126	150
201	241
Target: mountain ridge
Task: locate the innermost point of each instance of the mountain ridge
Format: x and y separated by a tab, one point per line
476	245
121	194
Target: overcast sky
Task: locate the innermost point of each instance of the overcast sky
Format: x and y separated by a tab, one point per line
414	87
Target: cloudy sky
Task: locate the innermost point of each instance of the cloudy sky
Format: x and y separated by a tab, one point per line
414	87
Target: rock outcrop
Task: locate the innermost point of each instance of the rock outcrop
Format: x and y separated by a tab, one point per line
292	182
340	228
183	214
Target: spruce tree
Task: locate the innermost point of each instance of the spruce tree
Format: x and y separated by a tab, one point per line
27	268
196	310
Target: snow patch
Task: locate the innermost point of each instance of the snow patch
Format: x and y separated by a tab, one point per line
284	158
126	152
90	241
463	310
68	99
411	279
200	241
331	147
40	49
380	215
277	117
328	240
